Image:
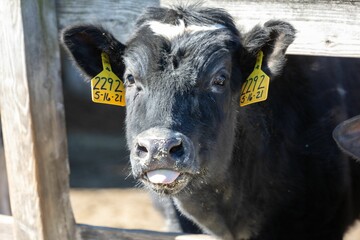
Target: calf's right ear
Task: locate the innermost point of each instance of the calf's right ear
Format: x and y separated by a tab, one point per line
85	43
347	136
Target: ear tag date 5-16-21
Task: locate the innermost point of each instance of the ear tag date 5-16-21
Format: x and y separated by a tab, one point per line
255	88
106	87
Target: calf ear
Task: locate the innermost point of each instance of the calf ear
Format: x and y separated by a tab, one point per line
85	43
347	136
273	39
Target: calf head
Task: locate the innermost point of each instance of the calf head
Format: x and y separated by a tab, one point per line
183	69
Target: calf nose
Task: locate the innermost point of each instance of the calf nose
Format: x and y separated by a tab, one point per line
157	148
162	155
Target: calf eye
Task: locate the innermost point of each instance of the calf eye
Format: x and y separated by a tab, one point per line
130	79
219	80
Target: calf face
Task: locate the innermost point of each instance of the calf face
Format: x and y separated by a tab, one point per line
179	101
183	70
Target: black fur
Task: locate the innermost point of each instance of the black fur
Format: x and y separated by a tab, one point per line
270	170
347	136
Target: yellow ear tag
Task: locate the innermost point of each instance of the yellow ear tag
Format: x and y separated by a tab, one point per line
255	88
106	87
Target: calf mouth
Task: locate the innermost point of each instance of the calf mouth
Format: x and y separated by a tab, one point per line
166	181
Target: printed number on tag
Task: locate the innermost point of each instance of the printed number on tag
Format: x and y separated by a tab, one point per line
255	88
106	87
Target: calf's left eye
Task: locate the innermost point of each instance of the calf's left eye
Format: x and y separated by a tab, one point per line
219	80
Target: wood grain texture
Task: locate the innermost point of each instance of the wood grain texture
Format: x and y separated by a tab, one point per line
87	232
32	115
325	27
118	16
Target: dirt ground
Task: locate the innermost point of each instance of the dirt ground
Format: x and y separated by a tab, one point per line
102	190
121	208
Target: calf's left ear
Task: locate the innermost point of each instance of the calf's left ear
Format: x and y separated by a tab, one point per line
273	39
347	136
85	43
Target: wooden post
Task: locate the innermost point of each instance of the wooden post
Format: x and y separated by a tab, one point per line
32	115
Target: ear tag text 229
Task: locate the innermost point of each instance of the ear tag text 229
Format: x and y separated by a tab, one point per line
106	87
255	88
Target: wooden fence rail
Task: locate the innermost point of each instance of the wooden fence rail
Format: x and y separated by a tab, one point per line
324	27
32	111
87	232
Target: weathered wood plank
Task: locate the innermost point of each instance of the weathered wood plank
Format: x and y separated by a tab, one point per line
4	189
325	27
6	228
88	232
32	116
119	16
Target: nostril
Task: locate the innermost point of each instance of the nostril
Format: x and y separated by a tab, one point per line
141	151
177	151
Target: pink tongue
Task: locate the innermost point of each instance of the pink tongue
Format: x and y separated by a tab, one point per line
162	176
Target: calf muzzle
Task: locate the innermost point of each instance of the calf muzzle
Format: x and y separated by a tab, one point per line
163	158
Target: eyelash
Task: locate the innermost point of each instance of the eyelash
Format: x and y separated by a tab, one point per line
219	80
130	79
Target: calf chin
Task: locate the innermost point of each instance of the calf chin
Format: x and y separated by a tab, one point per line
164	160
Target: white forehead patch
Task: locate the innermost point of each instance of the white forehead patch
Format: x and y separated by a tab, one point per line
170	31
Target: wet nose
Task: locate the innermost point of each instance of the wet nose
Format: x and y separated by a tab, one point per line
157	148
162	154
162	148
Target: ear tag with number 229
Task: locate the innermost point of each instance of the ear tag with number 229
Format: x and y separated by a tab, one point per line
255	88
106	87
